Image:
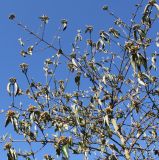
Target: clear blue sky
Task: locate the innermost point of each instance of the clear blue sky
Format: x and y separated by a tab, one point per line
78	13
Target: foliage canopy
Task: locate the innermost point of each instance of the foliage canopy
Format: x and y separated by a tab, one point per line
111	109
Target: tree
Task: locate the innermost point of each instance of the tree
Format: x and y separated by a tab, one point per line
111	111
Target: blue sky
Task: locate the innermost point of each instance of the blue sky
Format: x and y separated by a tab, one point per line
78	13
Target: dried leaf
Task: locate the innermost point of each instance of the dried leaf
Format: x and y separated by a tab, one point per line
77	79
114	32
23	53
74	62
12	16
8	88
30	50
153	60
44	18
78	37
89	29
8	120
15	88
15	124
142	60
133	59
106	119
105	8
64	24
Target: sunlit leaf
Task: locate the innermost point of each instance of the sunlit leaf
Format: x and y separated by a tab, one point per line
157	39
141	82
65	151
157	6
21	41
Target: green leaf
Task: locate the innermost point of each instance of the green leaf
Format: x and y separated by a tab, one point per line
65	151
